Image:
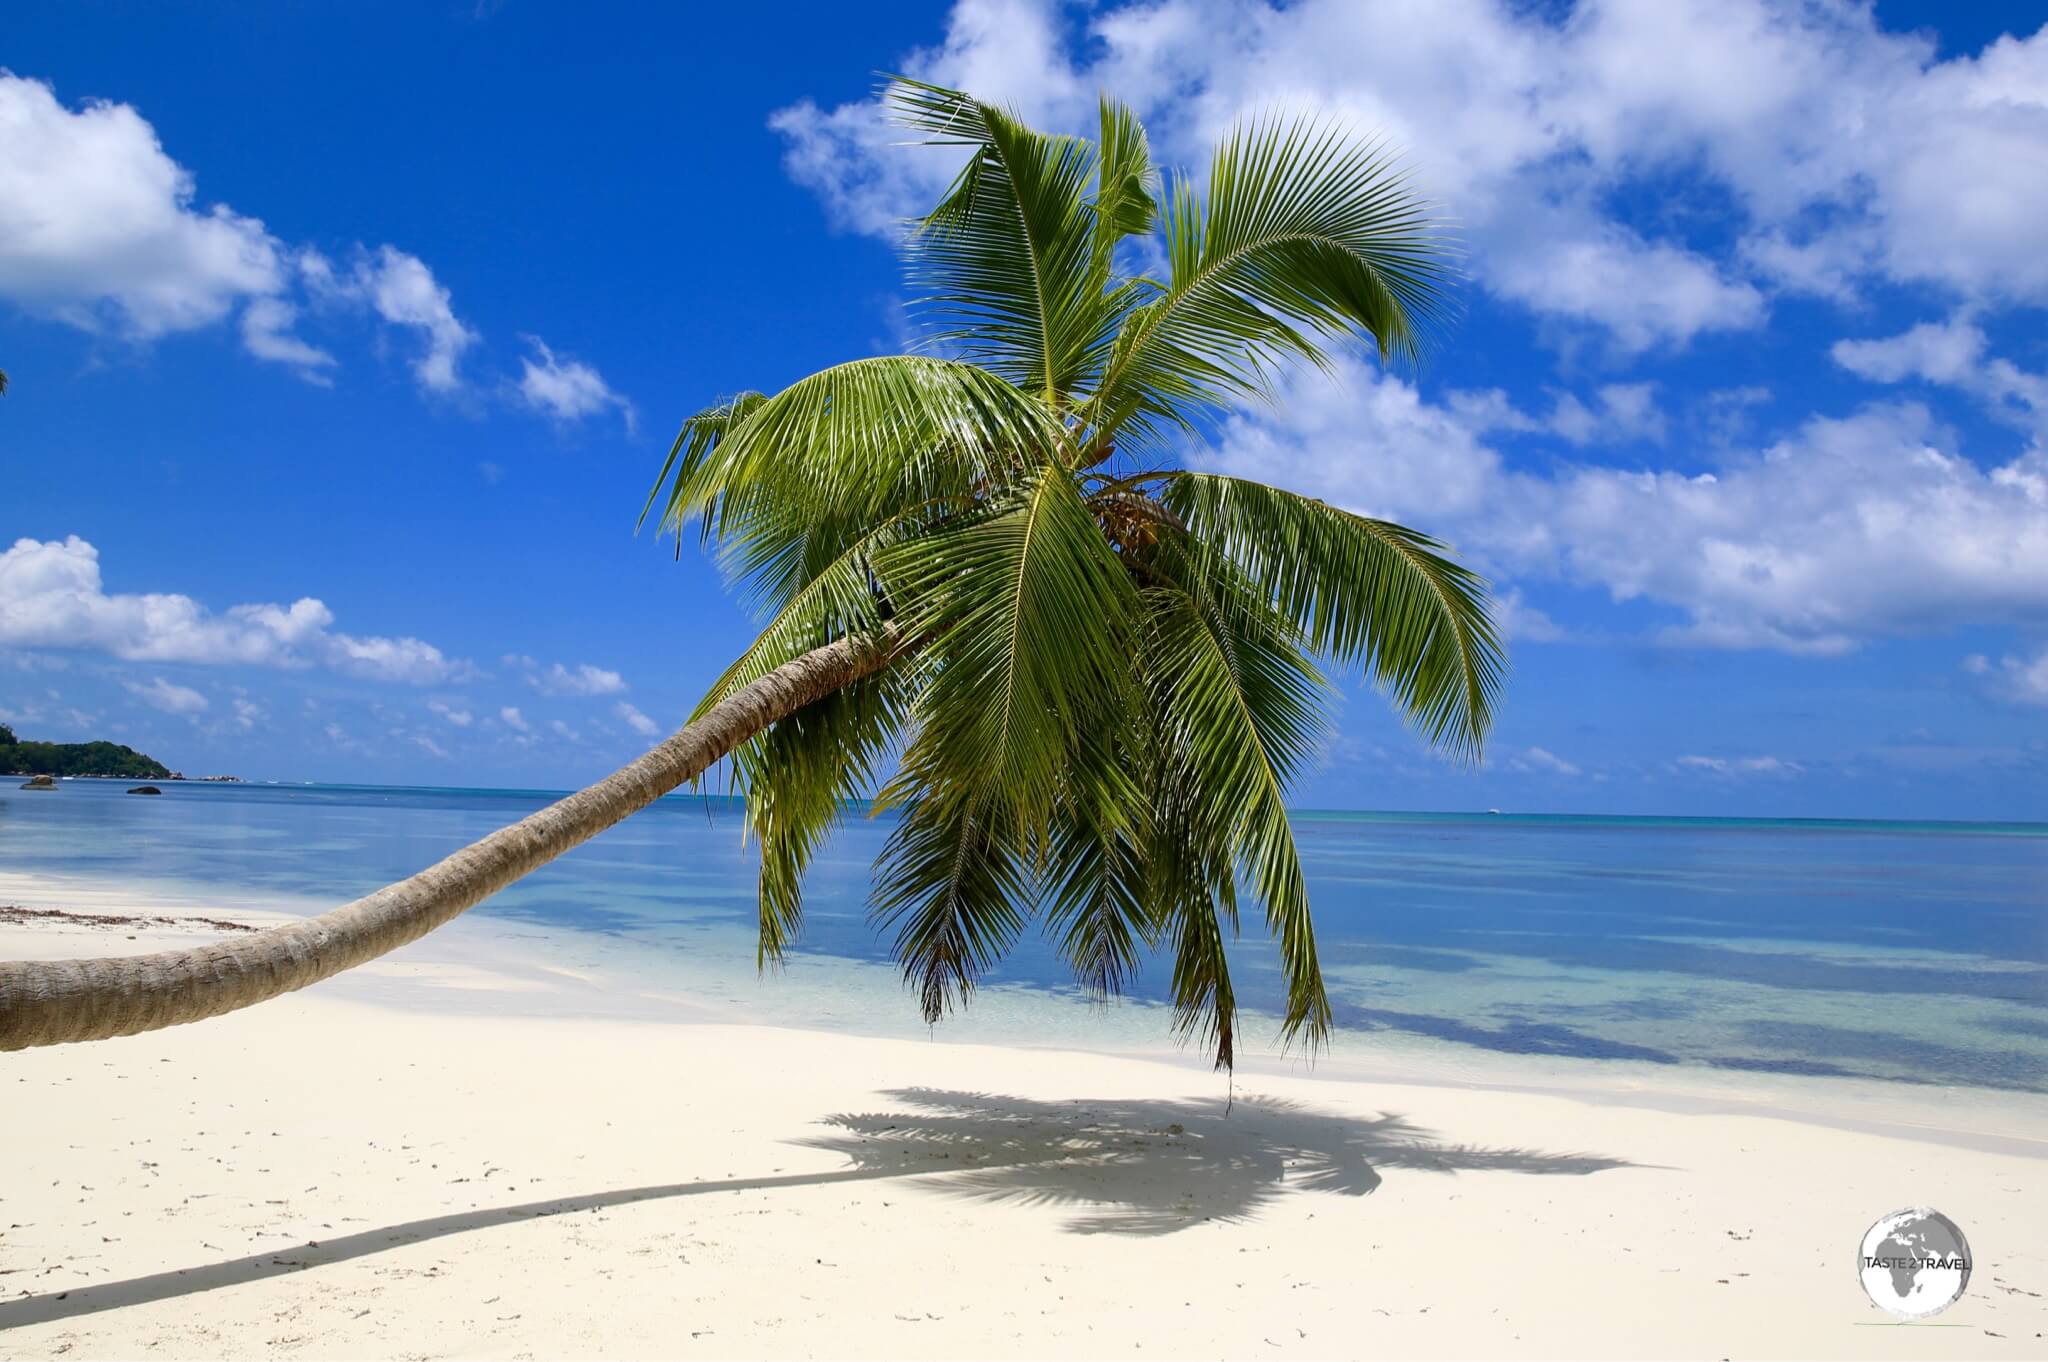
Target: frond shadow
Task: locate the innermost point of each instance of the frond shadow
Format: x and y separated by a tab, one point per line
1154	1167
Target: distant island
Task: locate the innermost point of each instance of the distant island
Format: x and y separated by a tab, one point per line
76	759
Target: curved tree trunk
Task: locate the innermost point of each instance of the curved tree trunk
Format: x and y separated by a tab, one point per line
51	1002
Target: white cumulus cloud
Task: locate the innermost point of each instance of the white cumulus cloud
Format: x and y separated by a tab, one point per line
1008	51
2013	677
267	332
566	389
1844	529
167	696
1521	622
1620	413
101	229
1541	760
52	596
1737	767
401	291
1952	353
1822	150
556	679
635	720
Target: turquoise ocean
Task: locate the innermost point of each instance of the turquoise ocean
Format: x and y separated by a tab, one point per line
1899	952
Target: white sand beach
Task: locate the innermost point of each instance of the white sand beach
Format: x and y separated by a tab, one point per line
470	1151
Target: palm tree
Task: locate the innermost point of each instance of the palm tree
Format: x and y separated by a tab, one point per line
1081	674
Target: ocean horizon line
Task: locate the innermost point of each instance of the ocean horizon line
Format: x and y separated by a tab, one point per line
1491	816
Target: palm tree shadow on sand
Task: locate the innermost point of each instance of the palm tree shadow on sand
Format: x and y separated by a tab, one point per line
1128	1167
1154	1167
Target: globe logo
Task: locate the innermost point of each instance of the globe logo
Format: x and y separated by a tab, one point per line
1914	1263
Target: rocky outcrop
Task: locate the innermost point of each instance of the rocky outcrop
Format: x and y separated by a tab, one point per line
40	783
145	789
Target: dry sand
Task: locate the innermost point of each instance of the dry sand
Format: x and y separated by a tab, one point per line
436	1158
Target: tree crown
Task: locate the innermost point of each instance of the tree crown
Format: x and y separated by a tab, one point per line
1110	665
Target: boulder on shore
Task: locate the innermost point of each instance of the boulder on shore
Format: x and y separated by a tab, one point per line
145	789
40	783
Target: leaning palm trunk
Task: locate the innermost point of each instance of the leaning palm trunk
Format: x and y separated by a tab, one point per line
55	1001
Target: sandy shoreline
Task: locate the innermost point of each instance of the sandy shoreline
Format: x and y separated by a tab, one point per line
481	1148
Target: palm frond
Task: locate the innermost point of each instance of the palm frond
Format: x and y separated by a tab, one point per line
1204	999
1127	185
1284	695
1238	710
1098	910
785	484
1191	890
1002	267
1300	236
1025	611
695	446
843	598
798	777
955	891
1028	613
1361	590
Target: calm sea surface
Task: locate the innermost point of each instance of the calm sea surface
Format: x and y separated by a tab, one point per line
1913	952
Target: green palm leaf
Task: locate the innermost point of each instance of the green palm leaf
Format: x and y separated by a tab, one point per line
787	483
1025	610
1191	887
954	889
1127	186
696	444
798	779
1300	236
1028	612
1002	268
1095	877
1361	590
1204	999
1238	708
843	599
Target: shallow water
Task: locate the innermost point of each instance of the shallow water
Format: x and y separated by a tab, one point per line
1914	952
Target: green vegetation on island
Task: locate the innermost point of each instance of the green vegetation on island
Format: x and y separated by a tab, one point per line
76	759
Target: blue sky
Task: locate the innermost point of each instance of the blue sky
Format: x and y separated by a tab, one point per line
345	342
